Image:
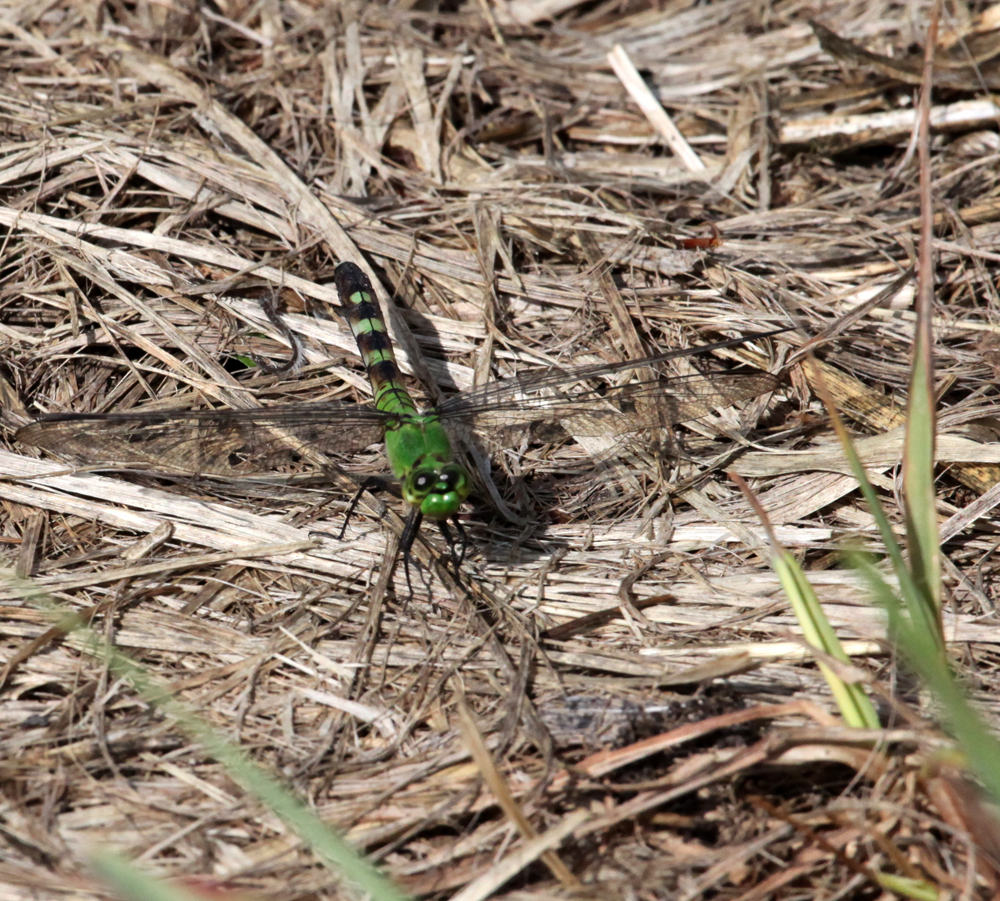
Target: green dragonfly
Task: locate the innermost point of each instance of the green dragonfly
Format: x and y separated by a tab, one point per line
418	444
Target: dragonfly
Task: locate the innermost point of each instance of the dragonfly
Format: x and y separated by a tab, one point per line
418	443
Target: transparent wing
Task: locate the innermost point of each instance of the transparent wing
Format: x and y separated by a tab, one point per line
227	442
558	398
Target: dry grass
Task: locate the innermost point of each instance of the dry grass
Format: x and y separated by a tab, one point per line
162	167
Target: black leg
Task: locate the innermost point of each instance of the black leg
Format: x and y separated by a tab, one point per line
406	542
372	482
461	544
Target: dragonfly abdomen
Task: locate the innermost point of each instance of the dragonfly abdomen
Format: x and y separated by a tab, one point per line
390	394
365	319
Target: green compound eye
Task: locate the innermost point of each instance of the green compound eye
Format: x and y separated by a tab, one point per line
424	481
454	478
438	492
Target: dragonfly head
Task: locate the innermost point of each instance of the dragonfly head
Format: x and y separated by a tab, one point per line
438	489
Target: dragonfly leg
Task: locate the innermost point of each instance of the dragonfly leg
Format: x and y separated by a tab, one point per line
461	544
406	542
369	484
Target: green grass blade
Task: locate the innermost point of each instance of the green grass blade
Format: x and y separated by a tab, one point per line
918	889
892	547
855	706
919	500
920	645
134	884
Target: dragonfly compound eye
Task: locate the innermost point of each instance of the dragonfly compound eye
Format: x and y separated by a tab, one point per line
424	481
438	492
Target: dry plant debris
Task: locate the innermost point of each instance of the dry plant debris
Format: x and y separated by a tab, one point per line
533	184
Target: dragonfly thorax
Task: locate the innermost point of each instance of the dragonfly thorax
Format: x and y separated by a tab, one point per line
437	488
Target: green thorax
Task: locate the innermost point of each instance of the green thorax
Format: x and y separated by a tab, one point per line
416	444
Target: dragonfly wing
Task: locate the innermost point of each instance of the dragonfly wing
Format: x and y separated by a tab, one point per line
661	403
654	403
227	442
